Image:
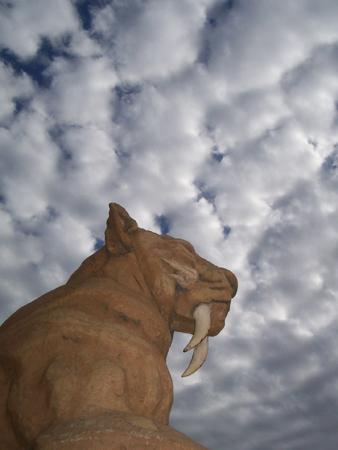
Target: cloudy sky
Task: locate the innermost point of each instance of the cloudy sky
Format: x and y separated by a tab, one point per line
213	121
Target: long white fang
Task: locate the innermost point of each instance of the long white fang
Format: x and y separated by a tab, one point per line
202	326
198	358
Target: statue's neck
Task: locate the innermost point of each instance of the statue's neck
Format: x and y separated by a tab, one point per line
124	271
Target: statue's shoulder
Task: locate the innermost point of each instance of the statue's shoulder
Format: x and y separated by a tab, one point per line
90	266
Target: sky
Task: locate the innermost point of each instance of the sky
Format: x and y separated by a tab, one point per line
212	121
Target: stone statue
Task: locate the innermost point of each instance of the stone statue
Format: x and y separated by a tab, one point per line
84	366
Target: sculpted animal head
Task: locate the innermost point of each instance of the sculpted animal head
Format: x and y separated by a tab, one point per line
192	294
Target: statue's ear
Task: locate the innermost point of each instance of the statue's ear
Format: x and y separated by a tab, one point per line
120	226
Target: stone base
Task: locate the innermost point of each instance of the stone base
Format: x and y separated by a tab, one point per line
114	431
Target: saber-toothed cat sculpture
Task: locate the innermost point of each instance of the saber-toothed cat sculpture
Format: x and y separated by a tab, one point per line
84	366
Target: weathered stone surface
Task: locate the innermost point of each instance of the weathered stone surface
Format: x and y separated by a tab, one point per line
115	430
84	365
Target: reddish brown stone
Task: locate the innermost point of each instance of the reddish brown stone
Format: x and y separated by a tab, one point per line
115	430
84	365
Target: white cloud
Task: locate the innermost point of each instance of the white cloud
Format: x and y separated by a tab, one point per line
311	92
81	90
22	24
14	88
153	39
29	159
221	117
263	39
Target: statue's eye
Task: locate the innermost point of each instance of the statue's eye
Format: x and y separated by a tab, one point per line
179	290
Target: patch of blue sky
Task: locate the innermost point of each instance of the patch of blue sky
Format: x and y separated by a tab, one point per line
29	228
99	243
126	92
216	155
34	225
21	104
124	97
212	22
35	67
204	54
56	134
207	194
124	156
313	143
226	231
330	163
217	12
164	223
86	8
